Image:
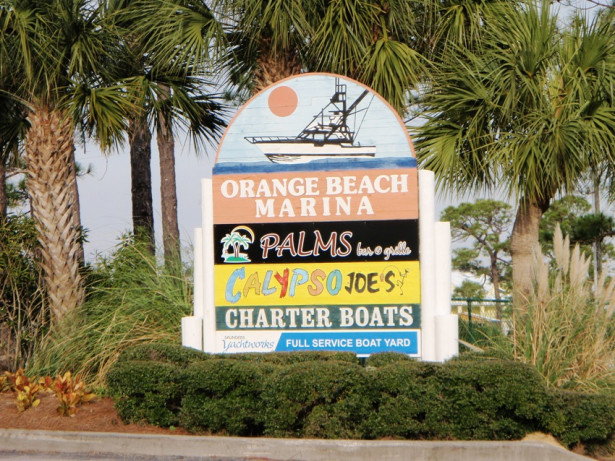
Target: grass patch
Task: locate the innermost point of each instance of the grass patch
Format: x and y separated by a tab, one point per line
131	300
24	315
566	329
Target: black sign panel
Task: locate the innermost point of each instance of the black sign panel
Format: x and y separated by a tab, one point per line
320	241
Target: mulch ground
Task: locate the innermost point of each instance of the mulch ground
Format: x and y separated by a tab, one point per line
96	416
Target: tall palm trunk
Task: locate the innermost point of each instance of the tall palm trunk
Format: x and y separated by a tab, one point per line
273	67
3	197
168	189
50	167
77	212
141	181
523	245
598	240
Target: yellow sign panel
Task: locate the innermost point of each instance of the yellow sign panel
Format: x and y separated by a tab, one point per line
316	284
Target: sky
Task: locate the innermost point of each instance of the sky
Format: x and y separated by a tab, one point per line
105	194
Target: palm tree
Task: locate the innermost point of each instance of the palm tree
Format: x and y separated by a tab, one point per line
527	111
131	69
378	42
237	241
267	39
371	41
52	49
3	197
381	43
180	105
170	97
374	42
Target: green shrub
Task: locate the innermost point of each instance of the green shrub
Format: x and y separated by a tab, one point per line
287	358
317	399
471	398
382	359
179	355
491	399
409	404
175	354
467	399
576	418
224	396
146	392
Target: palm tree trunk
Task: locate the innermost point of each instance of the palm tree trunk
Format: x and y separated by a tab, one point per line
168	190
598	241
141	181
495	281
271	68
77	212
523	245
50	167
3	197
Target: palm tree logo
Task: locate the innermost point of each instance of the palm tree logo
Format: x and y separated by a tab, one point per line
240	237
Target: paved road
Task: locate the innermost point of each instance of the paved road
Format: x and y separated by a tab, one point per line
18	444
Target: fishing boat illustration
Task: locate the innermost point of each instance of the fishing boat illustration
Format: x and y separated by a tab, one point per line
327	136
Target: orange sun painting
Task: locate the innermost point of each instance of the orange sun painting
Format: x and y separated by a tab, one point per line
283	101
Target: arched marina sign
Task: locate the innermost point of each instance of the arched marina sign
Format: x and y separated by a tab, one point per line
310	237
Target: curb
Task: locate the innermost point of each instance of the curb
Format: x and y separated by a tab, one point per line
201	447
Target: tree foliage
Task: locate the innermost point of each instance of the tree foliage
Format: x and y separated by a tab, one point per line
469	289
384	44
485	224
572	214
562	212
529	110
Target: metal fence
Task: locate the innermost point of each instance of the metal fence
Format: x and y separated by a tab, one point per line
484	311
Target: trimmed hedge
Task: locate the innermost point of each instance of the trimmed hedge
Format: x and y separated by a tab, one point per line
409	402
469	400
183	356
385	358
287	358
147	382
162	352
317	399
147	391
318	395
586	419
491	399
224	396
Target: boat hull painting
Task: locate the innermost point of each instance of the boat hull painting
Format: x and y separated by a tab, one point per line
280	153
305	158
